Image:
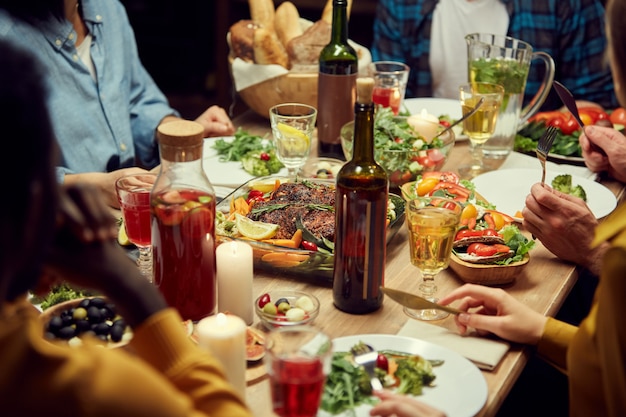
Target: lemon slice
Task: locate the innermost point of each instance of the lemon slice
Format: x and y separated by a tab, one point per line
122	237
253	229
293	140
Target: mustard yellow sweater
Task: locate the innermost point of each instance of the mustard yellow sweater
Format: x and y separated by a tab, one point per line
168	376
594	354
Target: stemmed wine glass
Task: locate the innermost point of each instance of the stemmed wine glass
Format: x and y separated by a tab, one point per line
480	126
292	128
432	224
133	194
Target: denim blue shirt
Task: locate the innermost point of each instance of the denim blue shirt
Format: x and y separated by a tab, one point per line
103	124
571	31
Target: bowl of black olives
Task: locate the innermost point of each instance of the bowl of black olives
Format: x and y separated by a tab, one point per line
93	318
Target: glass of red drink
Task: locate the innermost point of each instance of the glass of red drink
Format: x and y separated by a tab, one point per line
133	194
298	361
390	78
183	238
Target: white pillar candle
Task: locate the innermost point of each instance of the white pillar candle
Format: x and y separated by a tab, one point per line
234	279
425	124
224	335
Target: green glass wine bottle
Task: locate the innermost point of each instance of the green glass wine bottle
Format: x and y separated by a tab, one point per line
361	216
338	70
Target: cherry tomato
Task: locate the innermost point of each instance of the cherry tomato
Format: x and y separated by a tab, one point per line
425	161
500	218
444	123
463	233
468	212
426	185
618	116
447	176
481	249
595	113
435	155
309	245
382	362
570	125
501	248
264	156
265	298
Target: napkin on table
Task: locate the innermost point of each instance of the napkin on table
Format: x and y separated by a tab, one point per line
484	353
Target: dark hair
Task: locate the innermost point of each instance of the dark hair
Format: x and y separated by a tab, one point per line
28	208
30	10
615	13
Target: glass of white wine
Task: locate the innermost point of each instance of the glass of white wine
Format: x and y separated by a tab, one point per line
480	126
292	129
432	224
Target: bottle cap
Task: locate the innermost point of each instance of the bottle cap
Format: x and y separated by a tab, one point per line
364	90
173	136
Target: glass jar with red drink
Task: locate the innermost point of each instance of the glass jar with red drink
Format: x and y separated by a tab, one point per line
183	223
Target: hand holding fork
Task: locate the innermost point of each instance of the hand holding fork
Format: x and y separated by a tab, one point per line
543	148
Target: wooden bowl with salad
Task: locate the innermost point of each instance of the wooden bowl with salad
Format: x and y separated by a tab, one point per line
488	248
400	148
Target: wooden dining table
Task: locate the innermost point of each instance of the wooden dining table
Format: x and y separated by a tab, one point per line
543	285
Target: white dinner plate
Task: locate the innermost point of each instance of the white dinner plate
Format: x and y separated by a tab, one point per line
460	389
508	188
438	107
229	174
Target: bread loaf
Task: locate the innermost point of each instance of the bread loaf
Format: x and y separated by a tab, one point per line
305	49
287	22
262	12
242	38
327	13
268	49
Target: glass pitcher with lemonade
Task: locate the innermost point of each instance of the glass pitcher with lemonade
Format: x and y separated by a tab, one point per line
506	61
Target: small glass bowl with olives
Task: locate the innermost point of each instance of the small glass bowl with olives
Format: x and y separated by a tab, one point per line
94	317
286	308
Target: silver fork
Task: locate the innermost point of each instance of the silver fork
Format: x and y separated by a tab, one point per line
543	148
366	356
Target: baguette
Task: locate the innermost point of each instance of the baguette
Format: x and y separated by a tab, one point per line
327	13
287	22
262	13
268	49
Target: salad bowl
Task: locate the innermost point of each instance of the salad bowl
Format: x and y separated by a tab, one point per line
401	150
488	274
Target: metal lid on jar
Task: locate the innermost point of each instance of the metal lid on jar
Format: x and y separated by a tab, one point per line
181	140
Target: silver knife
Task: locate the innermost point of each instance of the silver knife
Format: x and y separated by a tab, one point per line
568	99
415	302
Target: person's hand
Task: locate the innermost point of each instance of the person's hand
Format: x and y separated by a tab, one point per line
402	406
612	143
85	253
104	181
496	312
565	226
216	122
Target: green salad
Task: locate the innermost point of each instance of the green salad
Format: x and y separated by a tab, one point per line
257	154
348	384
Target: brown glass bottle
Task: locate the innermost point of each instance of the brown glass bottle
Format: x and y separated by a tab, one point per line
361	216
338	70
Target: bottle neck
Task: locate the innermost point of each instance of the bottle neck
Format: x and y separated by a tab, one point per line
182	167
363	149
340	22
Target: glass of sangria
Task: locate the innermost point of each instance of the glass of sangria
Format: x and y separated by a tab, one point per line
390	78
133	194
298	361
